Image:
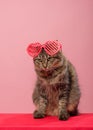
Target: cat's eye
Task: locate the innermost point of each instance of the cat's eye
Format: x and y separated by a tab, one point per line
56	57
37	60
49	59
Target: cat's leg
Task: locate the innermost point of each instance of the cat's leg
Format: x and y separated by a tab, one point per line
73	101
41	108
74	95
40	102
63	100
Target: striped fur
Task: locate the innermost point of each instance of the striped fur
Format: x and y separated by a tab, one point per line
57	90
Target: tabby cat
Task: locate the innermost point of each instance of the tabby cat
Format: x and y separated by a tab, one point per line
57	90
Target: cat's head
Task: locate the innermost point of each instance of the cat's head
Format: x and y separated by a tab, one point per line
46	62
46	56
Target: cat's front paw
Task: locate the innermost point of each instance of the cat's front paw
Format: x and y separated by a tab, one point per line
64	116
38	114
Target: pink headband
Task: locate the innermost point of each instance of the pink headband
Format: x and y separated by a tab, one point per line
51	48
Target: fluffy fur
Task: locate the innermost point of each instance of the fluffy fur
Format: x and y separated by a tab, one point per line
57	90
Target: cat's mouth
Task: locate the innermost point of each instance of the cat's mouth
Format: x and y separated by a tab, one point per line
51	69
46	69
48	73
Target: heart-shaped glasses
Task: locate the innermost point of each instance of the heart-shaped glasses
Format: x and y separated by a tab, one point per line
51	48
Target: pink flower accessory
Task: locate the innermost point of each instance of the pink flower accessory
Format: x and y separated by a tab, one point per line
51	48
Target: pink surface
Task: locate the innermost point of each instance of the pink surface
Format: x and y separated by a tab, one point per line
26	121
25	21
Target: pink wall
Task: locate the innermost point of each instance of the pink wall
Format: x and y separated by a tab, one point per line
25	21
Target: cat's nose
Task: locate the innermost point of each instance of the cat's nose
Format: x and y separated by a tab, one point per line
45	66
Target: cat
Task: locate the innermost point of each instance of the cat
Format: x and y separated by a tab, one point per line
57	91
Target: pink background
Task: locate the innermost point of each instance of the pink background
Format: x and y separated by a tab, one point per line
25	21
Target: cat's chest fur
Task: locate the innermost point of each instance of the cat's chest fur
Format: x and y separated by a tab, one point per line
52	92
52	96
51	86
